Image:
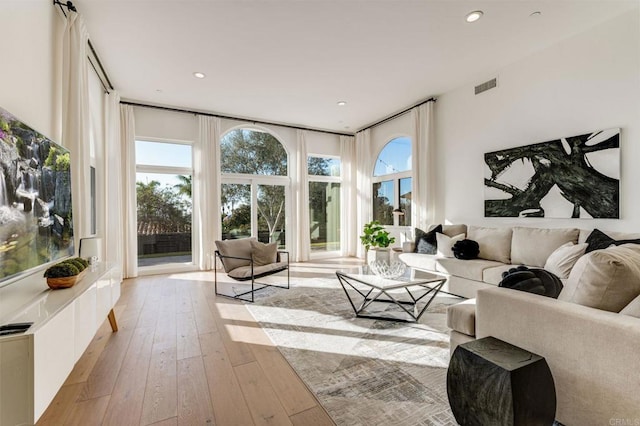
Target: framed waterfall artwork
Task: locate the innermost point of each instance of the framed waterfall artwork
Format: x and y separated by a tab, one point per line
573	177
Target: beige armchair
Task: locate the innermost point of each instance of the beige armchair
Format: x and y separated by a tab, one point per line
247	259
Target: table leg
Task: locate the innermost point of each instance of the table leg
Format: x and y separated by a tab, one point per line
112	321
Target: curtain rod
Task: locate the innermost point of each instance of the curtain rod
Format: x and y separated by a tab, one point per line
398	114
229	117
71	7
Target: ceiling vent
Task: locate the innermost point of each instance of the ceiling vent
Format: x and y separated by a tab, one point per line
486	86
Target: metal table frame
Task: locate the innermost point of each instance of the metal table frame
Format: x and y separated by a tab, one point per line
381	286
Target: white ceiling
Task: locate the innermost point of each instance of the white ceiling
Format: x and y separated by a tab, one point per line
291	61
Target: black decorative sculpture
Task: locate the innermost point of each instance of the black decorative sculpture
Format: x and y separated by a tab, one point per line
466	249
532	280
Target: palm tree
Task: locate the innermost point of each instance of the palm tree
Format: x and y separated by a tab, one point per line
184	187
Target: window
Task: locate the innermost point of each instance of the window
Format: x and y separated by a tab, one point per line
164	203
324	203
254	200
392	183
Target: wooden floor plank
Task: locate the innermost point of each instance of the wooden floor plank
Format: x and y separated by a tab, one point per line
194	402
238	351
125	405
103	377
188	343
263	403
61	406
292	392
160	396
88	413
169	422
315	416
88	360
227	399
205	321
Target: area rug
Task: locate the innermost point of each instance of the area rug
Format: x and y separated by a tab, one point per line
363	371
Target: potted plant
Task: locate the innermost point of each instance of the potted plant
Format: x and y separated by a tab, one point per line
376	237
65	274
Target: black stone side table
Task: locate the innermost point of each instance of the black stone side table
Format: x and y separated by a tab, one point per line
491	382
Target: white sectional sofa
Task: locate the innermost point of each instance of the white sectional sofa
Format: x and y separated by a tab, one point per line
501	248
589	336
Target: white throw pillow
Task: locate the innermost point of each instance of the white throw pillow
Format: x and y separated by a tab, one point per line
562	260
445	243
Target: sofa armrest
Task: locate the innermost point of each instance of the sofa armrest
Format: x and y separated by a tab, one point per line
593	354
408	246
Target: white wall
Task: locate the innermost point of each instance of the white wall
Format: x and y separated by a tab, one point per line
28	71
586	83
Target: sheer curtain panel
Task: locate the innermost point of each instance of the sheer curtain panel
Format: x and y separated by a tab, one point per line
113	236
363	182
206	190
423	166
348	188
75	119
130	213
303	237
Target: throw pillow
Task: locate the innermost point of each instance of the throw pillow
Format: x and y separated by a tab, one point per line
465	249
263	254
598	240
536	281
426	242
445	243
240	248
605	279
495	243
633	308
562	260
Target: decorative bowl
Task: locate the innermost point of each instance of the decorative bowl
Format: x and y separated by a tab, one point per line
387	270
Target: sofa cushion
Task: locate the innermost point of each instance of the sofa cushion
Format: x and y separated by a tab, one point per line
470	269
420	261
445	243
263	254
633	308
584	234
235	248
461	317
495	243
244	272
426	241
606	279
493	275
453	230
532	246
562	260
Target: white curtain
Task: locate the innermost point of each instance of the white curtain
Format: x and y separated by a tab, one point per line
423	166
363	182
206	189
113	238
349	217
130	213
76	119
303	239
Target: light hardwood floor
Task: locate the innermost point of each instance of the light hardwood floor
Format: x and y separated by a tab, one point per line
183	356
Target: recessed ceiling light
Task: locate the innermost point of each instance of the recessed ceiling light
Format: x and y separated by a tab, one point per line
199	75
535	14
342	103
474	16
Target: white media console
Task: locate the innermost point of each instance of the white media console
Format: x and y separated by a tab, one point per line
35	364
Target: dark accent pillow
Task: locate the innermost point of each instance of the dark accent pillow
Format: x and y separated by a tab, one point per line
598	240
534	280
426	242
466	249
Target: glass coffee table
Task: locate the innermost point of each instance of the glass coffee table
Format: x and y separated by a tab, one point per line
411	296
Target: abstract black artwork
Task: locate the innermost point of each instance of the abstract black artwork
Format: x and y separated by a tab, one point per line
574	177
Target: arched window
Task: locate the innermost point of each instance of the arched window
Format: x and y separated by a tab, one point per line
254	167
252	152
392	177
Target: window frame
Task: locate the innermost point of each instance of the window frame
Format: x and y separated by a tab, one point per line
325	179
195	226
395	178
